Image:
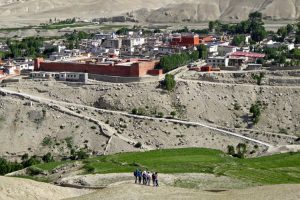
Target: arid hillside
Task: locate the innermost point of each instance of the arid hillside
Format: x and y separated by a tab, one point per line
34	11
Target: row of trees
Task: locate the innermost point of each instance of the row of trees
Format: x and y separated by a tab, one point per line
8	167
168	63
254	26
73	39
27	47
239	152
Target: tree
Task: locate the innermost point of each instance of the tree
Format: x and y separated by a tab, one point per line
289	28
202	51
255	17
211	26
238	40
169	82
258	34
230	150
241	149
282	32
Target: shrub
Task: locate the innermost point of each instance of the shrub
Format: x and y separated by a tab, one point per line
173	114
138	145
255	109
230	150
258	78
33	160
24	157
8	167
47	158
134	111
241	149
160	114
169	83
237	106
81	154
69	141
47	141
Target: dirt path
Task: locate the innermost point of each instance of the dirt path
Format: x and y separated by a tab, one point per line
133	191
61	103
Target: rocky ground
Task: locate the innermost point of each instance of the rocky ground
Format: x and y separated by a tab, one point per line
41	128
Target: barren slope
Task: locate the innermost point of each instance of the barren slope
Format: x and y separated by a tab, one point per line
34	11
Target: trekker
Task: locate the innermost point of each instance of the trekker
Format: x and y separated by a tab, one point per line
135	173
148	178
140	176
156	179
144	177
153	179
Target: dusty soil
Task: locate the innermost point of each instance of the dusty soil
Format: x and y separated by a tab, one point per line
186	180
132	191
20	189
121	187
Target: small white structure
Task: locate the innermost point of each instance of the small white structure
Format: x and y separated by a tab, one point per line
61	76
219	61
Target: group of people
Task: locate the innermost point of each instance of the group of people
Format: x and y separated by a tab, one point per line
145	177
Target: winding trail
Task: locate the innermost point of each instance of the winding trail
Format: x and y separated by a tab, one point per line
107	131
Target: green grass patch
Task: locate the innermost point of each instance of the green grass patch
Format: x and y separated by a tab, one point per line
276	169
52	165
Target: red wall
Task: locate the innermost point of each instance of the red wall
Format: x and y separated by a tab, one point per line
135	70
186	41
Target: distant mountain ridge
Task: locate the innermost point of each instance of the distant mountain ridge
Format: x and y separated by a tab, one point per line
30	11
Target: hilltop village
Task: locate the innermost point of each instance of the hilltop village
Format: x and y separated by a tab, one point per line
230	87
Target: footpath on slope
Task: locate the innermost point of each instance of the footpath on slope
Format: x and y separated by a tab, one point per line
60	103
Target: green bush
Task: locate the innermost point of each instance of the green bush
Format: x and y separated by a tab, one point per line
173	114
230	150
47	141
241	149
255	109
169	83
8	167
33	160
134	111
47	158
160	114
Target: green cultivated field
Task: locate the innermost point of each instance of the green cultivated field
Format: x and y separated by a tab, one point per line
276	169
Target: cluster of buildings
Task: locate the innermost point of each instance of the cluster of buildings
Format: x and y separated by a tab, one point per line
134	55
12	67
